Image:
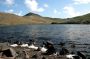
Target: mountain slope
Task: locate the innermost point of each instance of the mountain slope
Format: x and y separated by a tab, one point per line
31	18
36	19
11	19
84	19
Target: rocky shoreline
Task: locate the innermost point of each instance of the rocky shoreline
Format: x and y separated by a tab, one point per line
22	52
26	53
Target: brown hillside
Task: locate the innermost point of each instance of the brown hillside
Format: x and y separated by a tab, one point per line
11	19
37	19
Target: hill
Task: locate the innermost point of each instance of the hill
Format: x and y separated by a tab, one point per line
84	19
11	19
31	18
36	19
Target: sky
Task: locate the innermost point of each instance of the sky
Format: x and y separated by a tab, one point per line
46	8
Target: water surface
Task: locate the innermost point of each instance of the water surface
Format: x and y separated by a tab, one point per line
77	34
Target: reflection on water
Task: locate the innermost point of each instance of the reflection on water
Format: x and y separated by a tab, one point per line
77	34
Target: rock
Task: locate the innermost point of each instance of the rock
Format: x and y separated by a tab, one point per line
8	54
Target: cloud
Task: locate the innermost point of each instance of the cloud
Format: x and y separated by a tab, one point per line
9	11
84	12
46	5
81	1
70	11
33	6
56	11
9	2
40	9
12	12
19	13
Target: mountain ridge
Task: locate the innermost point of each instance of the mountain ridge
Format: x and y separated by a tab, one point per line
32	18
30	14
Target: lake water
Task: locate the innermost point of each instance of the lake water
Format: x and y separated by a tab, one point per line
77	34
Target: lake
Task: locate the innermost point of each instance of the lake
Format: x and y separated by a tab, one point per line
70	34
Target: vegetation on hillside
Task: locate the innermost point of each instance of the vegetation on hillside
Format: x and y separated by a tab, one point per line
85	19
31	18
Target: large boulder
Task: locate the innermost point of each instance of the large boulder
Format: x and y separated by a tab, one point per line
8	54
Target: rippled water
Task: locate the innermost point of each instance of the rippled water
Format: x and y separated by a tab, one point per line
77	34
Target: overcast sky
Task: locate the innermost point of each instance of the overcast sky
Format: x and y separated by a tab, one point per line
47	8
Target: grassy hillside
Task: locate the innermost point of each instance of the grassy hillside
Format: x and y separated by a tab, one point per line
36	19
84	19
55	20
11	19
31	18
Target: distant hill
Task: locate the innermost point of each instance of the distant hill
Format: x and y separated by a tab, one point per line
31	14
36	19
44	20
84	19
31	18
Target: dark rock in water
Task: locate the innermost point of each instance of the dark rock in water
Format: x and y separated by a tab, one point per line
61	43
63	51
73	46
18	42
48	44
72	52
76	57
50	48
81	55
